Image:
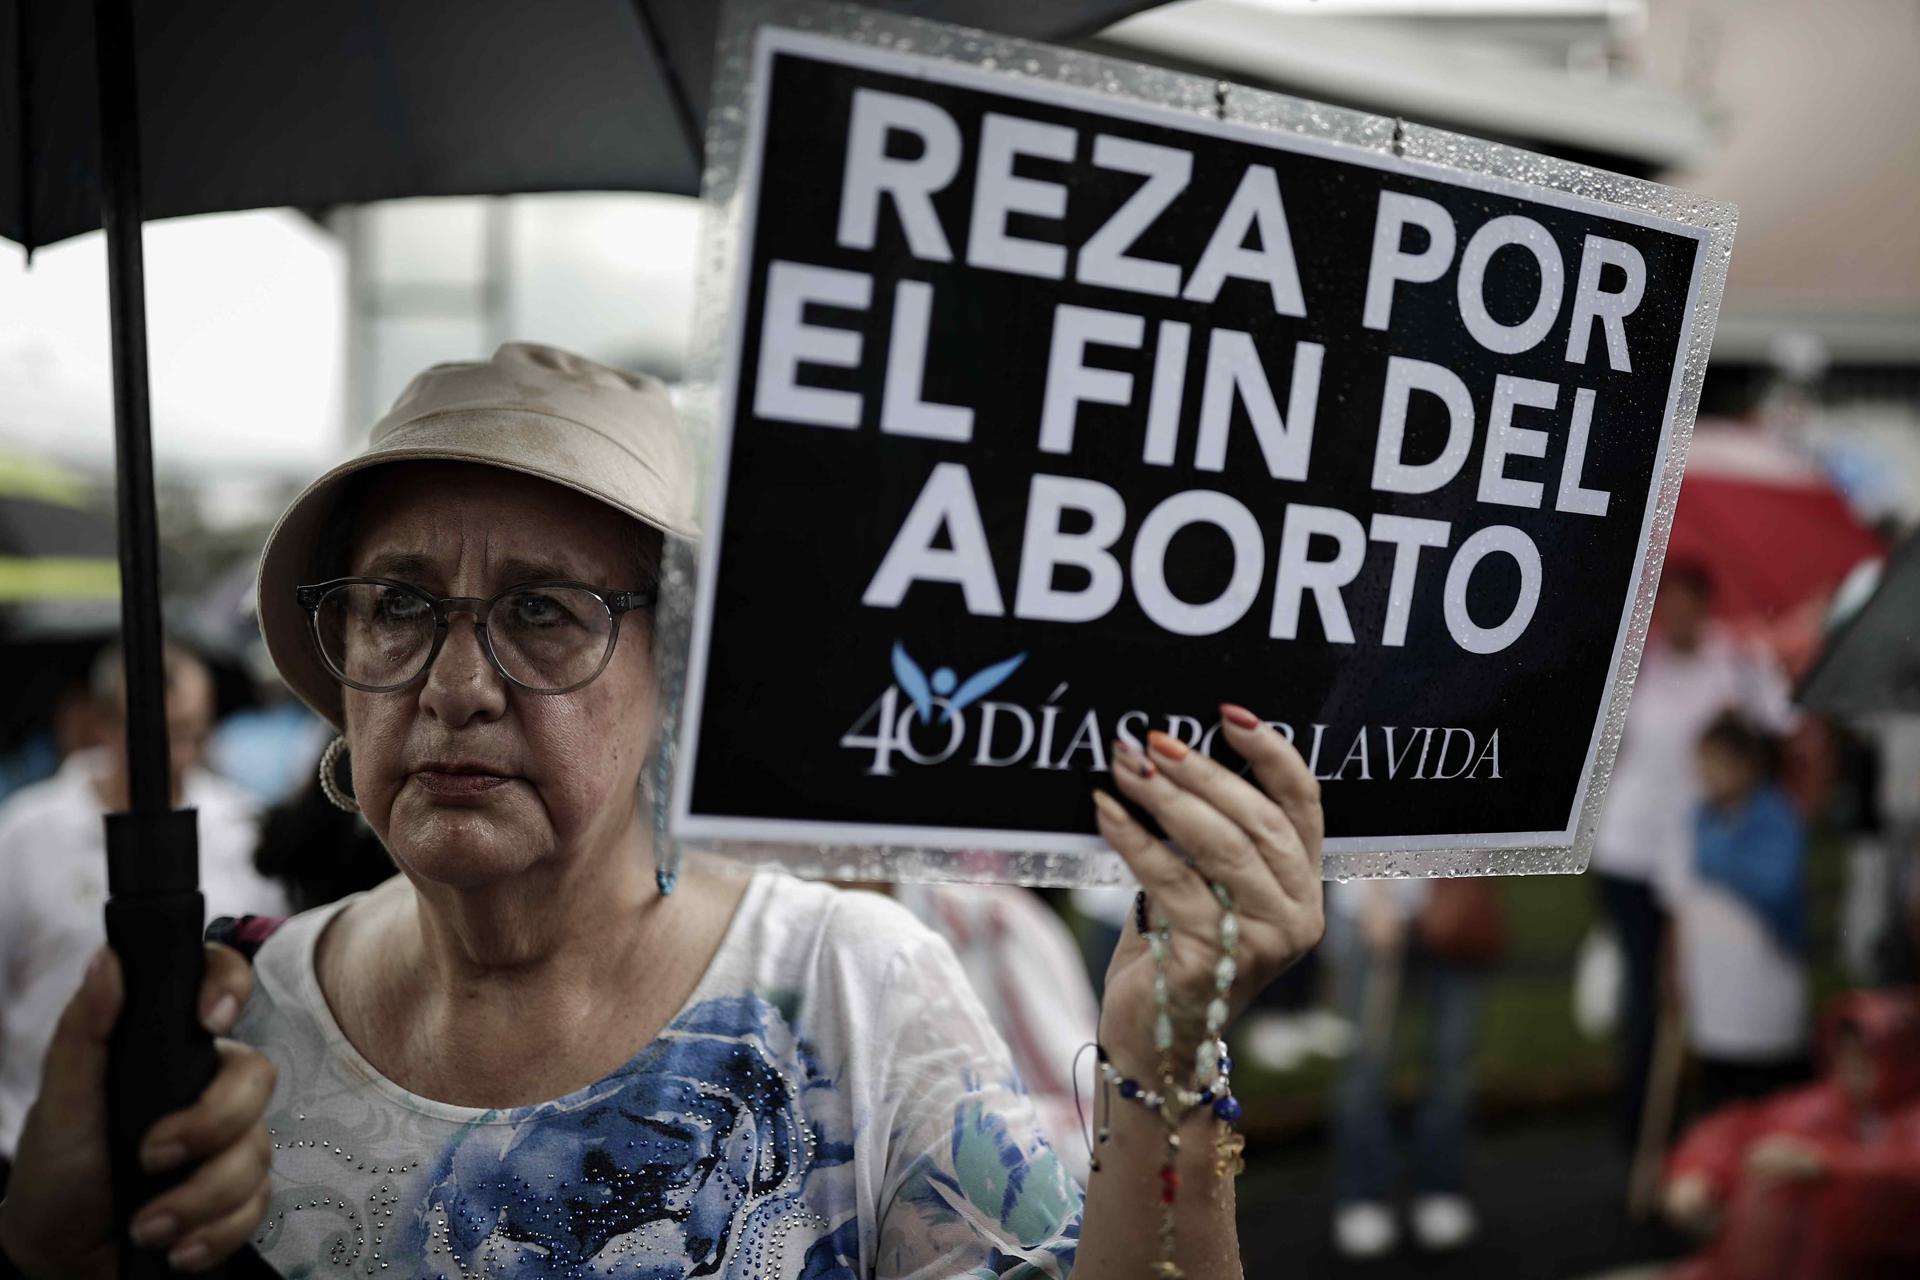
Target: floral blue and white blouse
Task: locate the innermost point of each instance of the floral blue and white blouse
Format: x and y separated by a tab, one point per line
830	1102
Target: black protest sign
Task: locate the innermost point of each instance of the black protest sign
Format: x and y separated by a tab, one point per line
1052	418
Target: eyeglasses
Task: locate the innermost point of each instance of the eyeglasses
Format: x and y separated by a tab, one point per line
378	635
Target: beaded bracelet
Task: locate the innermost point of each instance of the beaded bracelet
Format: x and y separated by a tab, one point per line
1218	1095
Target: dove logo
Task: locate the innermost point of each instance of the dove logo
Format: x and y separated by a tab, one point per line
954	694
922	718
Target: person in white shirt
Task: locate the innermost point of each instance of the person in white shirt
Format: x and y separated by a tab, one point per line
53	862
1690	673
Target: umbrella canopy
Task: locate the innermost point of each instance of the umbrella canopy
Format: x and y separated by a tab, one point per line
244	105
1871	664
1768	525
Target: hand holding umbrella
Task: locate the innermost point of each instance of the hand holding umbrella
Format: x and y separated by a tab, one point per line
57	1223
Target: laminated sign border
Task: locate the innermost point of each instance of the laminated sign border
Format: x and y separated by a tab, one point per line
1043	415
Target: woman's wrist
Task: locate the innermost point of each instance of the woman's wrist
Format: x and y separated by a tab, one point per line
1133	1054
1125	1194
1128	1124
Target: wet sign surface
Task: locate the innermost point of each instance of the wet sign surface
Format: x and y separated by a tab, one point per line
1050	417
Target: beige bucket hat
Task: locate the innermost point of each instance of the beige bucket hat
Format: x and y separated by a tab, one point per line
532	409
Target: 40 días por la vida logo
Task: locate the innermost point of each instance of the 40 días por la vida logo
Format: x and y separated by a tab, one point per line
951	696
1421	753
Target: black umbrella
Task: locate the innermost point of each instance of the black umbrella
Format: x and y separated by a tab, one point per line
238	104
1871	663
243	105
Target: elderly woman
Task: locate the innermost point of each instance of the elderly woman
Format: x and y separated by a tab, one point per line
521	1057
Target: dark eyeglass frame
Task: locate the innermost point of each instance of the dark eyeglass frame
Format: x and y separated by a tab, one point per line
617	603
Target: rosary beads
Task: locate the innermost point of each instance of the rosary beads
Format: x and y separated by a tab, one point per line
1210	1084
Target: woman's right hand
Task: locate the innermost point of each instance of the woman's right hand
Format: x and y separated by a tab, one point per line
57	1221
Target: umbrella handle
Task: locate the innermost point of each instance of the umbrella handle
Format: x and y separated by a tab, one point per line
160	1059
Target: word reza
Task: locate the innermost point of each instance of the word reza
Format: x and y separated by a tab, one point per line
874	176
1001	735
902	152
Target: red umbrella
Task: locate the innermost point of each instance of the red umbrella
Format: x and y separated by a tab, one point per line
1765	522
1777	537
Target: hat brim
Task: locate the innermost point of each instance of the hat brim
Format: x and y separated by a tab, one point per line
502	438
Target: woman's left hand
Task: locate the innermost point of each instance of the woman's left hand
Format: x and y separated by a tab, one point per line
1260	843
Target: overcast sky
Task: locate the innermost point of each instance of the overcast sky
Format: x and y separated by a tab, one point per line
244	336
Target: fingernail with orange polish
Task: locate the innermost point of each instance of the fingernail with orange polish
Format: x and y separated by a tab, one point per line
1235	714
1169	747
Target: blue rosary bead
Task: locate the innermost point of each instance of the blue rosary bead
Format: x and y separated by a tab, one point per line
1226	1065
1227	1108
1129	1090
